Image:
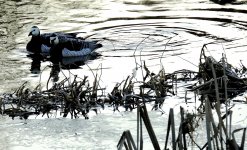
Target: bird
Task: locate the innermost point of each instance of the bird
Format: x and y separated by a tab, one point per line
40	43
68	47
71	47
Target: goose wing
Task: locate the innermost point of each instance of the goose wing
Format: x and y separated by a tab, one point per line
45	38
78	44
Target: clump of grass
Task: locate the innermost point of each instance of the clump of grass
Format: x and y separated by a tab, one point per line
148	2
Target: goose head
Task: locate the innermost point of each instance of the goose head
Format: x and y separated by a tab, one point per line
34	31
54	40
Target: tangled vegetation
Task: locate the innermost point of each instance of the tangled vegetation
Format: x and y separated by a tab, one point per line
217	83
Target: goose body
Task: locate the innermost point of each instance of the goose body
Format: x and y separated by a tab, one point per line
71	47
40	43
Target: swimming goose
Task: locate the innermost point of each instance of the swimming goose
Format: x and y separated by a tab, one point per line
40	43
71	47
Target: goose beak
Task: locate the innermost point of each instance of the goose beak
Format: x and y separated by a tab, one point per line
30	34
52	41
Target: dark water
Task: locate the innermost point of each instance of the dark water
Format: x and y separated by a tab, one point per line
169	33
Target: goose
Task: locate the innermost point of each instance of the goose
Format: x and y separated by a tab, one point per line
40	43
71	47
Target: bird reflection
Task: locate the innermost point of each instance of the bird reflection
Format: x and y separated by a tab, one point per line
36	63
64	63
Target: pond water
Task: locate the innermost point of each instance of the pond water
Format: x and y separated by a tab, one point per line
169	33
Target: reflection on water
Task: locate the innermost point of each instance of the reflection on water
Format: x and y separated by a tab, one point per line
36	63
77	62
65	63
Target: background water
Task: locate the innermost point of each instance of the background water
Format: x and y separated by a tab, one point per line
170	33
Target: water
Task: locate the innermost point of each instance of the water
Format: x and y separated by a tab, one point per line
170	33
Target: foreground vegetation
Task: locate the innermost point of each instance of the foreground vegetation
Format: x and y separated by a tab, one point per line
216	83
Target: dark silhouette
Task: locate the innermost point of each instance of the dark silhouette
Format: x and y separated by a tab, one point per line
223	2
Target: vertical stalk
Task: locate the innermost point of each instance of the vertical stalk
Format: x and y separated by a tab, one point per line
146	120
173	129
221	124
141	138
208	124
226	96
230	128
138	125
171	124
182	121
